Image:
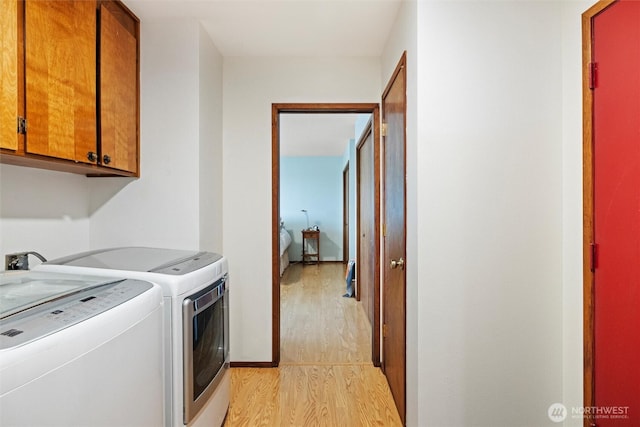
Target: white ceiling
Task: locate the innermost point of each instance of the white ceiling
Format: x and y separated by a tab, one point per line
316	134
283	27
289	28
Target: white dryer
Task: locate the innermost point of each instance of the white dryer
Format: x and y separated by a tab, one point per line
78	350
196	293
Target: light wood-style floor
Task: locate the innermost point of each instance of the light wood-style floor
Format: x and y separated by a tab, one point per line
325	377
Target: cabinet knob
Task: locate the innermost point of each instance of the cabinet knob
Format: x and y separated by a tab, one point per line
398	263
106	159
92	156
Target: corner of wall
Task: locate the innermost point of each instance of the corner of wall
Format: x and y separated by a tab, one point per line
210	144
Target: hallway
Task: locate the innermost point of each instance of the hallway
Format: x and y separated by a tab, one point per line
325	377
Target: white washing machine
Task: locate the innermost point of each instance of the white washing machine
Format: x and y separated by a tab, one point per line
80	351
196	292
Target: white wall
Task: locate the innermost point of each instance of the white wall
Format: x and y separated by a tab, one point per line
489	209
210	155
180	98
251	85
42	211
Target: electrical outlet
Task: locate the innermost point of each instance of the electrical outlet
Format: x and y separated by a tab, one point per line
17	261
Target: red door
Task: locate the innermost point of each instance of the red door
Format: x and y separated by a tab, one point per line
616	148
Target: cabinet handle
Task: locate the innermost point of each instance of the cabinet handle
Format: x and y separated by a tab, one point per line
398	263
106	159
92	156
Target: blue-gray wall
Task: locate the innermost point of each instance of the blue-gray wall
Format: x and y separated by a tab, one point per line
313	183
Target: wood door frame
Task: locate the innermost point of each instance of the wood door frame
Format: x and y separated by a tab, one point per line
588	229
375	327
301	108
346	225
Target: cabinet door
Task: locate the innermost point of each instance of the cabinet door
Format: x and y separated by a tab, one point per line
61	78
118	88
8	74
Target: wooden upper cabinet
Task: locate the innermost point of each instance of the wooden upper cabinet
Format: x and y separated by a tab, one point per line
8	74
61	79
70	70
119	87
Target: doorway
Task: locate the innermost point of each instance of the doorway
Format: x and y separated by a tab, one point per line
277	110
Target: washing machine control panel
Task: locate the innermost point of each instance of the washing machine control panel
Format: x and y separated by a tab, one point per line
67	310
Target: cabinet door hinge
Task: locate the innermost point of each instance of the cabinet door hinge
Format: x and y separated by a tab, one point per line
384	330
383	129
593	75
22	125
593	262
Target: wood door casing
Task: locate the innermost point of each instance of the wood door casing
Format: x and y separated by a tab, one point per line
587	200
346	212
276	110
119	88
8	74
61	78
394	196
611	48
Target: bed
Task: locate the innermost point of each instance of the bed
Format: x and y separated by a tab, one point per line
285	242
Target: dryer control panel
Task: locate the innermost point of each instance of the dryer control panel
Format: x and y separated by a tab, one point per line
188	265
45	318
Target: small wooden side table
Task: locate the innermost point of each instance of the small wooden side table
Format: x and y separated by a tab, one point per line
308	236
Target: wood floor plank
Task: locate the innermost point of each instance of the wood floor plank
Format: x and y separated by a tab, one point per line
326	377
310	395
318	324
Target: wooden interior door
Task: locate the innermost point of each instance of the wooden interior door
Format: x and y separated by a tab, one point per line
61	78
367	224
394	292
615	260
8	74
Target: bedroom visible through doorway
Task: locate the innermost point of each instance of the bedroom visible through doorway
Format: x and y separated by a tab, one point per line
309	170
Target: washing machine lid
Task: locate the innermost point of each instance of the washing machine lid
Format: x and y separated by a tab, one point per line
22	290
141	259
35	305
